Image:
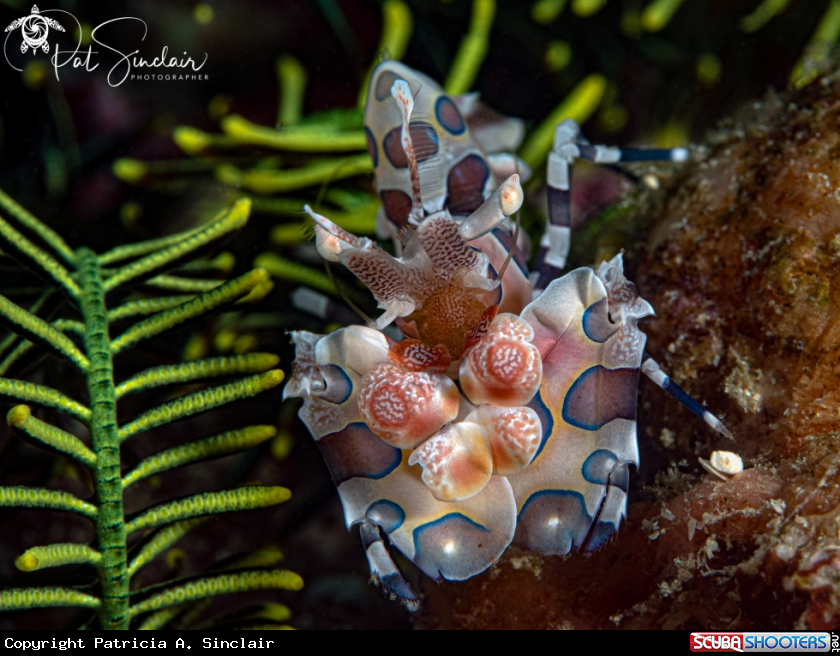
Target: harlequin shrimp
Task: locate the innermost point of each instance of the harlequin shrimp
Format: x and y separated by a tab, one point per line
506	413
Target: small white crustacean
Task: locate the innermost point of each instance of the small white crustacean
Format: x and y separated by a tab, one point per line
723	464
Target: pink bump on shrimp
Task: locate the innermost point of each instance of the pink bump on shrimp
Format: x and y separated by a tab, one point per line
406	407
414	355
457	462
502	368
514	435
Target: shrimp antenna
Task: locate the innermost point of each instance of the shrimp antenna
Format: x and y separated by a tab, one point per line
515	231
346	298
319	199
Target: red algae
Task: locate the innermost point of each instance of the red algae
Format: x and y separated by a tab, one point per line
740	259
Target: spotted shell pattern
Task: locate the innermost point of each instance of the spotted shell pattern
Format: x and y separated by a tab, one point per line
520	425
458	143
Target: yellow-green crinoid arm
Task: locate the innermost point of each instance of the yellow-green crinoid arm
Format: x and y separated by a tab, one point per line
22	354
285	180
38	331
161	541
300	138
397	25
189	247
194	404
659	13
55	555
28	221
20	496
292	271
138	249
21	390
23	598
199	450
761	14
472	50
145	306
33	430
197	370
213	586
193	141
221	265
208	503
159	619
180	285
263	559
579	105
37	261
192	310
815	58
292	76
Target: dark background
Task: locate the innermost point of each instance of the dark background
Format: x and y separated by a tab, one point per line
59	139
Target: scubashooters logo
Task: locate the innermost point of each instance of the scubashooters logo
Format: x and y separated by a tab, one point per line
34	31
792	642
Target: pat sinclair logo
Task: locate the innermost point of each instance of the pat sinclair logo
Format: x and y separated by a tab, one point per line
35	29
31	34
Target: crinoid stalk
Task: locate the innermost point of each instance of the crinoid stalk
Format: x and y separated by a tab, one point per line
95	287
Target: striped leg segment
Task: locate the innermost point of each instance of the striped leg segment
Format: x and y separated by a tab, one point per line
569	144
555	242
612	155
651	369
322	306
612	511
383	569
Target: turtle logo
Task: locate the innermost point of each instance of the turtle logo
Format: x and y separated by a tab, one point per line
34	28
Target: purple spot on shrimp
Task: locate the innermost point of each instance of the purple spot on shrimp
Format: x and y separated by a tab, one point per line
456	547
465	185
387	514
449	117
599	466
600	395
546	420
397	205
423	137
596	322
384	82
552	522
355	452
373	151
